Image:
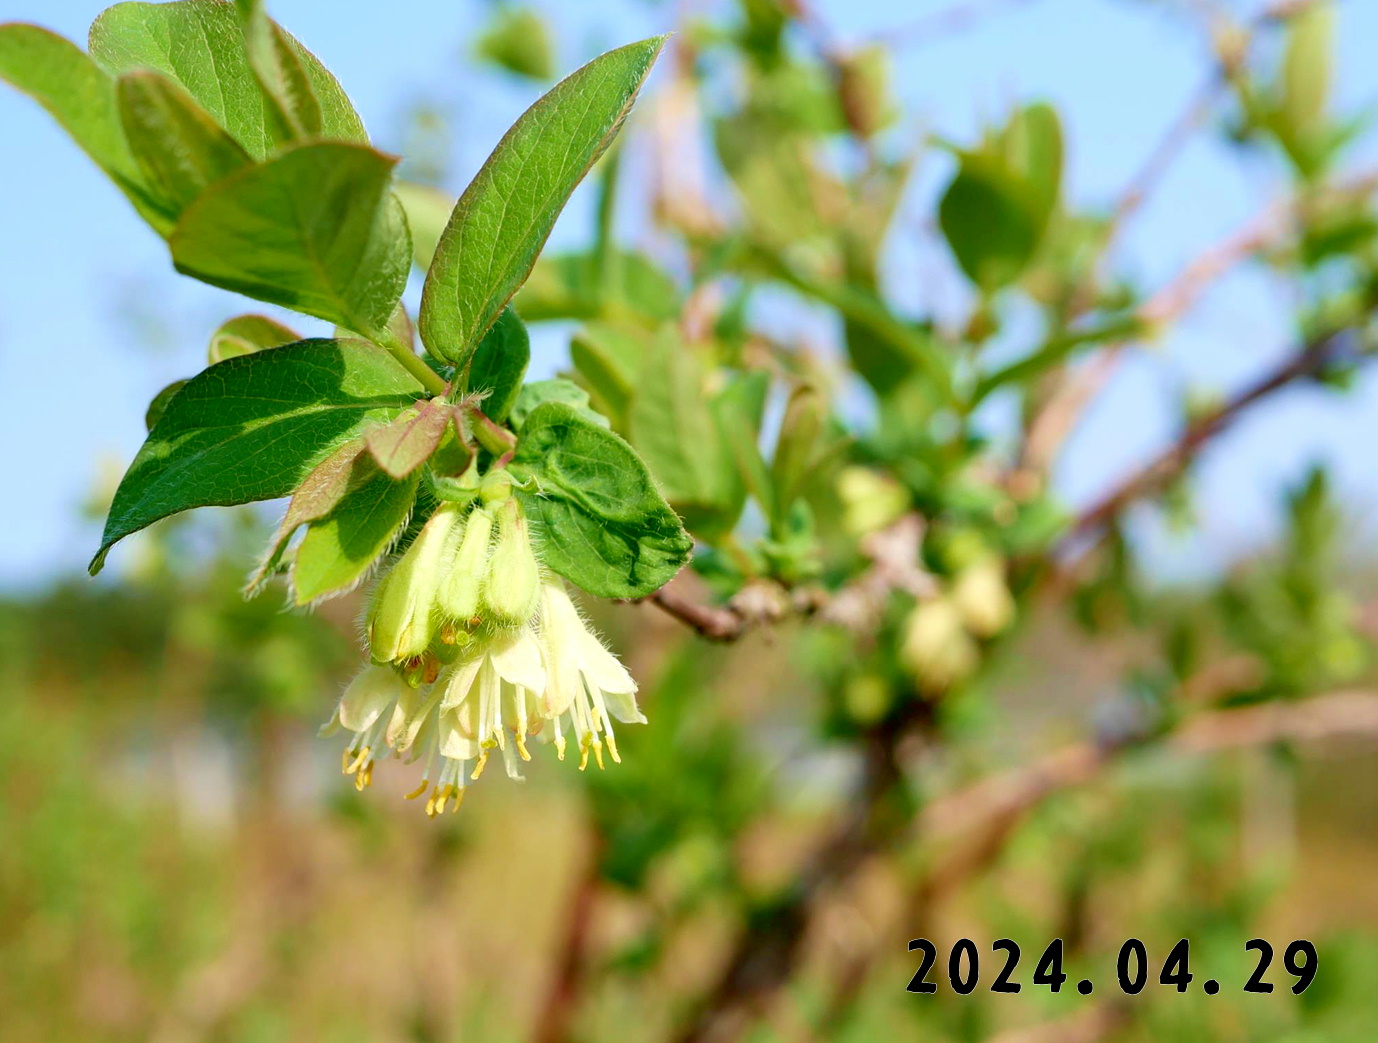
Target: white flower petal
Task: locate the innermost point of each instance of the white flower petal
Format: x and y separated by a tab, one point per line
602	668
412	710
368	695
622	705
517	659
457	732
461	681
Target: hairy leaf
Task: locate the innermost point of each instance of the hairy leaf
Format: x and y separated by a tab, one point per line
81	97
179	148
200	44
314	229
499	364
251	428
281	72
600	520
338	550
557	389
402	446
505	215
245	334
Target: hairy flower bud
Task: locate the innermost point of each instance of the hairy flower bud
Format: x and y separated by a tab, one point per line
982	597
513	584
937	648
401	621
466	558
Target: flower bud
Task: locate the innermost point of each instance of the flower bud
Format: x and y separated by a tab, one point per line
982	597
937	648
466	558
513	583
400	623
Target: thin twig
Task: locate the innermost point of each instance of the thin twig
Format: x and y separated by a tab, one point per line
561	1000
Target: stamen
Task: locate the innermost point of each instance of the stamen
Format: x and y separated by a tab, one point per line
480	764
425	785
358	761
598	753
612	748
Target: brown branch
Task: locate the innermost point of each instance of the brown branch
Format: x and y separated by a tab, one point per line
989	811
1152	478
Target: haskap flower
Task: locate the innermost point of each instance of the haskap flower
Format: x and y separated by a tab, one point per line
474	648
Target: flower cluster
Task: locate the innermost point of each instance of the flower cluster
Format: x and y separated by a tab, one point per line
475	649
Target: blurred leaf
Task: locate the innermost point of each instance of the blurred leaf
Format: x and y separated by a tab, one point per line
594	508
996	210
245	334
179	148
199	44
251	428
158	406
517	39
499	365
314	229
339	549
567	286
81	97
281	73
1306	75
505	215
427	210
608	358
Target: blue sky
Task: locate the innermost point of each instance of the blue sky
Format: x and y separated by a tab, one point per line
93	321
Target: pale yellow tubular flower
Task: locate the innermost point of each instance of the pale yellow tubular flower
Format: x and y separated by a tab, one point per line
495	687
401	623
512	587
364	710
583	679
466	559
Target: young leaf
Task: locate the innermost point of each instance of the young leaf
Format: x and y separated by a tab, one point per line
317	495
593	506
245	334
499	365
518	40
314	229
201	45
402	446
81	97
179	148
281	72
557	389
505	215
158	406
251	428
671	427
339	549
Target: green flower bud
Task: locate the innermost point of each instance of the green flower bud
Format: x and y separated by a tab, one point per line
466	559
982	597
400	621
513	583
936	647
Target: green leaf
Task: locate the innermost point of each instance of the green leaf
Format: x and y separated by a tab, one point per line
567	286
593	506
281	72
245	334
201	45
81	97
427	211
608	358
505	215
179	148
251	428
402	446
672	428
158	406
557	389
499	365
518	40
338	550
314	229
997	209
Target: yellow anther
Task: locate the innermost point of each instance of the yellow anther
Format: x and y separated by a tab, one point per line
598	753
612	749
358	761
345	755
430	807
583	756
521	746
480	764
560	745
425	785
459	799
